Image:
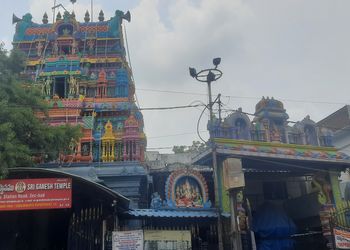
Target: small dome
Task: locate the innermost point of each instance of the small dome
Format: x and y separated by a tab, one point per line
131	122
270	108
269	104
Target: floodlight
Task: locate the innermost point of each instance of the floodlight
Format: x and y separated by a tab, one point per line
193	72
216	61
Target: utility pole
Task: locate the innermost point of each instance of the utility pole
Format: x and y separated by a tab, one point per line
208	76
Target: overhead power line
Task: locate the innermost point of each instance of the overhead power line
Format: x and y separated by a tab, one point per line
174	107
161	148
242	97
148	108
170	135
228	110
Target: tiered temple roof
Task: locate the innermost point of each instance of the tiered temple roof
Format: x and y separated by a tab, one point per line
83	74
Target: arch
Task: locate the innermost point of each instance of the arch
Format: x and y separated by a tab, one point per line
238	126
191	180
310	135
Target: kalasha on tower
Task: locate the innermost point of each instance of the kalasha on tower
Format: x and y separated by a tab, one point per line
83	74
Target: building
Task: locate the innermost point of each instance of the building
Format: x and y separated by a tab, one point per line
283	178
82	72
339	123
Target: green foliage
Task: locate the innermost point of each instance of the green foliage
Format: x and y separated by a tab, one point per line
179	149
196	146
22	135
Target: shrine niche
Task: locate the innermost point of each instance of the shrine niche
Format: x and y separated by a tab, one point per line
187	189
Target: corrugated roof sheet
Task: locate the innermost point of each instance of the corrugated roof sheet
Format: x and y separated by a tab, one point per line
174	213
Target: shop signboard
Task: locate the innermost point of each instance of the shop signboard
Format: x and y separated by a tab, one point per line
34	194
342	238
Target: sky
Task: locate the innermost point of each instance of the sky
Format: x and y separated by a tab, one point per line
293	50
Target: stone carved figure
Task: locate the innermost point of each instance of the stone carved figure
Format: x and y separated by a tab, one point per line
39	48
74	47
114	24
156	201
324	188
46	87
73	85
275	135
21	27
91	45
187	195
55	48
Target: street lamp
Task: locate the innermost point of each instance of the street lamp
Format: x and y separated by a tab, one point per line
208	76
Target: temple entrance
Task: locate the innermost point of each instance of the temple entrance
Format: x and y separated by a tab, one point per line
85	229
60	87
41	229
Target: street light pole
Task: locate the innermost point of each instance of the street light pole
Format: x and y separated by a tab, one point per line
208	76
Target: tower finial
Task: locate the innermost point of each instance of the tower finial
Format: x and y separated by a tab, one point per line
87	17
101	16
45	18
59	16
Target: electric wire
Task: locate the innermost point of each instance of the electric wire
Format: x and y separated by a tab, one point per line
242	97
198	121
174	108
171	135
129	59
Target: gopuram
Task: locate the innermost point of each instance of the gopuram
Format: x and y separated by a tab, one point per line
82	72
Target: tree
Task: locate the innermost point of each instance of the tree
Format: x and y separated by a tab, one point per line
22	135
196	146
179	149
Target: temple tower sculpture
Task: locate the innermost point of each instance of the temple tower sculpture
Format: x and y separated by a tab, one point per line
82	72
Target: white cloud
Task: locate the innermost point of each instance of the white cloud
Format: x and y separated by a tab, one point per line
161	54
197	31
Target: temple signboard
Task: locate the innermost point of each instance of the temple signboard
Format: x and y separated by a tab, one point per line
122	240
167	239
34	194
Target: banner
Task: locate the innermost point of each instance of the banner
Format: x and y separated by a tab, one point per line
127	240
167	239
33	194
342	238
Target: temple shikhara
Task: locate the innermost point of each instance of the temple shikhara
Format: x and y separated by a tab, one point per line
82	71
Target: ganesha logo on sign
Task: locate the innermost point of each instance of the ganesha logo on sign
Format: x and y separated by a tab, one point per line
33	194
20	187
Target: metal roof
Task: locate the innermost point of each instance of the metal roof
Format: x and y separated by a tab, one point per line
174	213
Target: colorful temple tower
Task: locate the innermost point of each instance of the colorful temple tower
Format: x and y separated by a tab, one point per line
82	71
